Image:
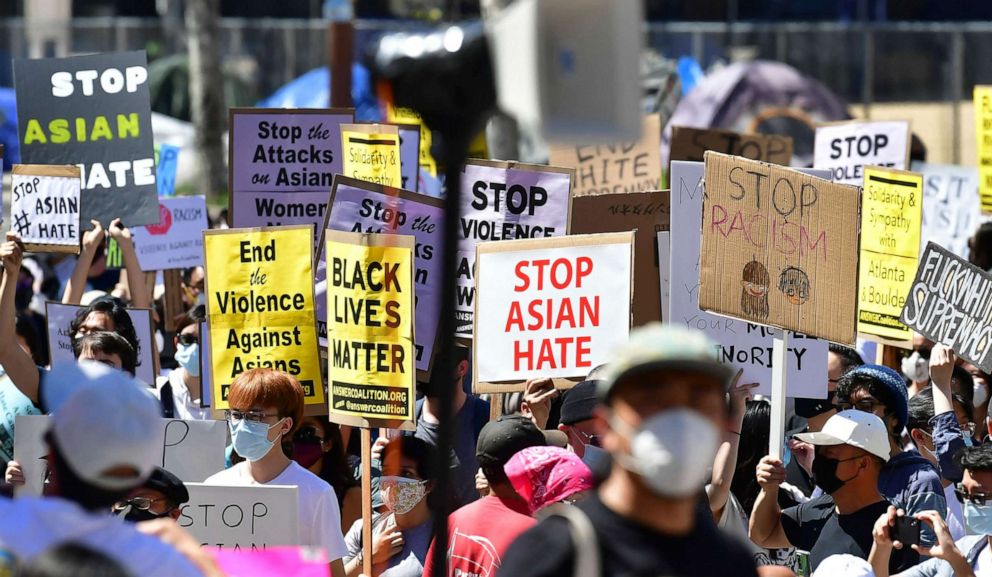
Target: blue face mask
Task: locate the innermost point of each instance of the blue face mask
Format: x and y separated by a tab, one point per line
251	438
786	454
978	518
188	357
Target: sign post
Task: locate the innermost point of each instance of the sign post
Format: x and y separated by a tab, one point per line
776	439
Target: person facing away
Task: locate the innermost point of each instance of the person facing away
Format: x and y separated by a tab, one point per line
662	412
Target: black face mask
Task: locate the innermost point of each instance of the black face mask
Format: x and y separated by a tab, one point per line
825	473
136	515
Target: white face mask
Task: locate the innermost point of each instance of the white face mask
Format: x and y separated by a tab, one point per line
672	451
981	394
916	368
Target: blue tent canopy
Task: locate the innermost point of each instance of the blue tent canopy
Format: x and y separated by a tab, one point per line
313	90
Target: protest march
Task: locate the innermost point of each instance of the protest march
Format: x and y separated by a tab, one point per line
515	296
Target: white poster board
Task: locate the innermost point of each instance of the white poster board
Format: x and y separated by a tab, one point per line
177	240
952	210
194	450
44	208
741	344
60	341
242	517
845	148
30	450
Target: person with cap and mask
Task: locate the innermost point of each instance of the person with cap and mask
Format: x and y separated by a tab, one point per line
851	450
662	412
576	417
480	533
102	444
160	496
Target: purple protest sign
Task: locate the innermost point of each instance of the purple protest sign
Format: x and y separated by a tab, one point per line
359	206
275	155
506	201
410	156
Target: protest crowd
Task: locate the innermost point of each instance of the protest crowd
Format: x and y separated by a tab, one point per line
785	375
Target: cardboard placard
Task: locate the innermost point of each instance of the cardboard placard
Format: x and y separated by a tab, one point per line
552	307
370	296
241	517
779	248
983	139
93	111
410	156
845	148
950	302
45	207
282	163
359	206
166	162
891	214
371	152
951	209
740	344
506	201
177	240
615	168
59	317
260	306
646	213
692	143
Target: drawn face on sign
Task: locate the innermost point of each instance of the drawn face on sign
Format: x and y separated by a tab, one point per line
754	290
794	284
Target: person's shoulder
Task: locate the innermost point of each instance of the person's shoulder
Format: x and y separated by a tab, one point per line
818	508
228	476
309	485
546	549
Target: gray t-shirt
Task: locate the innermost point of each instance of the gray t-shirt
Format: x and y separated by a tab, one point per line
409	562
469	420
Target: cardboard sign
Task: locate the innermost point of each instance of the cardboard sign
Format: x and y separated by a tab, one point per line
13	404
194	450
410	156
177	240
92	111
60	341
741	344
241	517
951	209
282	163
891	206
845	148
554	307
951	303
370	296
761	220
615	168
506	201
44	207
358	206
983	138
692	144
260	310
646	213
372	153
30	450
282	561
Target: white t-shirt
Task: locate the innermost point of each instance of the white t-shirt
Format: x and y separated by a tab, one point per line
955	517
187	408
32	525
320	516
983	565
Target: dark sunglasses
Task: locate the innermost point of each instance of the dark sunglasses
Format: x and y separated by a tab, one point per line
973	498
188	339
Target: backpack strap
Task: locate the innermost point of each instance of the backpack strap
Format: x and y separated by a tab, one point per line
976	550
583	536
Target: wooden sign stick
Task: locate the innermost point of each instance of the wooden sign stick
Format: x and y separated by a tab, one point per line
780	369
367	501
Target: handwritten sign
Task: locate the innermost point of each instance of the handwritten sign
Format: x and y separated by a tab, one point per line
44	208
372	153
950	302
550	307
194	450
983	138
252	517
260	307
60	341
951	209
846	148
891	208
370	296
177	240
692	144
741	344
615	168
92	111
506	201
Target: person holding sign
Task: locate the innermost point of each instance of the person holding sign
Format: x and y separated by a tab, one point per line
92	241
266	407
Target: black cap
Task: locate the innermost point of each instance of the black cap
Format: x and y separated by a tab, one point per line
501	439
579	402
169	485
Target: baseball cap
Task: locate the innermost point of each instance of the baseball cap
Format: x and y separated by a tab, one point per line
501	439
657	346
579	402
852	427
102	419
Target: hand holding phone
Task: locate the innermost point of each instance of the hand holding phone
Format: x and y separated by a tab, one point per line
906	530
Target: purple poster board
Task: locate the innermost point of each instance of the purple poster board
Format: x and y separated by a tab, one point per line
359	206
410	156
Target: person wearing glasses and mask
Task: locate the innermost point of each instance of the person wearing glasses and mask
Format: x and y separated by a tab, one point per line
160	496
908	480
180	391
266	407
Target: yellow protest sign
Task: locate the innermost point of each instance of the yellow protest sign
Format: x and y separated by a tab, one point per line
401	115
983	132
891	216
371	152
260	306
370	334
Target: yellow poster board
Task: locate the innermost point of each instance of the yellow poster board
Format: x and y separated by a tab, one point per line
370	335
371	152
983	133
891	216
401	115
260	306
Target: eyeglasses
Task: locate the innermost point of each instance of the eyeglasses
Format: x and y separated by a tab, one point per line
188	339
864	405
973	498
586	438
234	416
140	503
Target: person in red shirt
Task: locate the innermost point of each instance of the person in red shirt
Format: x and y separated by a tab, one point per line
480	532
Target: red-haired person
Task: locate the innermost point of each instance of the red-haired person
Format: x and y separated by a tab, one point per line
266	406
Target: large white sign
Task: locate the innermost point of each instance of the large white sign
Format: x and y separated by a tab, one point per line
846	148
951	207
177	240
740	343
242	517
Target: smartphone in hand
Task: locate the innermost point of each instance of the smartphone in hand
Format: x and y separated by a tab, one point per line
906	531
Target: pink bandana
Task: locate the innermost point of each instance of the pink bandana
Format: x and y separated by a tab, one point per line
547	475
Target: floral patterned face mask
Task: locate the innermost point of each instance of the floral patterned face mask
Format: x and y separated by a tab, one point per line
400	494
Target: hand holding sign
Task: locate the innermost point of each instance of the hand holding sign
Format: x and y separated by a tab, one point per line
12	253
